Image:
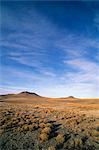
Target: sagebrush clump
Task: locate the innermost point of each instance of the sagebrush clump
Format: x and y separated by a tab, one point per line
60	138
43	137
78	142
52	148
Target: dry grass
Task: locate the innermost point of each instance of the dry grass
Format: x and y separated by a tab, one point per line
25	128
43	137
60	138
52	148
41	120
42	125
78	142
95	133
46	130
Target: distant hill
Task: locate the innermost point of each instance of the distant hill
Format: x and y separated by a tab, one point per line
30	95
69	98
7	95
22	94
26	93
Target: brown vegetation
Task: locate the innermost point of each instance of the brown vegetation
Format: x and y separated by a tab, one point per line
60	138
49	124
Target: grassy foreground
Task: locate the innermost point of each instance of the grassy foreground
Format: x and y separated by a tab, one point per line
43	124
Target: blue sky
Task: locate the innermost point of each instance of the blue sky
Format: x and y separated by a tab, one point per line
51	48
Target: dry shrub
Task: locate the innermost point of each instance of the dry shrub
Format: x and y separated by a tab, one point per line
97	128
42	125
60	138
19	129
13	119
40	121
46	130
27	117
43	137
28	122
49	125
31	127
30	116
86	132
1	131
25	128
37	119
4	127
34	120
17	114
45	120
51	148
21	123
9	124
3	121
36	126
95	133
79	120
78	142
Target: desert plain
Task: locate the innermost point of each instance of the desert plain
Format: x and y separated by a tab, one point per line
32	122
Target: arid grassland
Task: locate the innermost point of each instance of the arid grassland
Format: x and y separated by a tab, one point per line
37	123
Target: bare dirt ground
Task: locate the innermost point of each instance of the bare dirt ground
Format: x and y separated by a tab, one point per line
39	123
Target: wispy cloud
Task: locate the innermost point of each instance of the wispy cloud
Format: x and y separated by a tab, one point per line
83	65
76	46
86	74
30	46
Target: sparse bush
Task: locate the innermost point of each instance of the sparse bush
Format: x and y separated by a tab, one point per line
3	121
19	129
60	138
21	123
78	142
95	133
9	124
97	128
87	133
13	119
36	126
31	127
17	114
43	137
1	131
49	125
42	125
45	120
34	120
25	128
71	143
51	148
27	117
40	121
46	130
28	122
4	127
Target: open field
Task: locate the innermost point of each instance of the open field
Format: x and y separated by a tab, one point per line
31	122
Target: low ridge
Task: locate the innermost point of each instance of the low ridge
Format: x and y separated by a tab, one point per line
70	97
26	93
